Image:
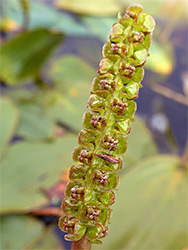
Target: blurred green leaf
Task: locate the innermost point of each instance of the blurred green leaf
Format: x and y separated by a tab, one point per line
152	7
35	122
28	167
99	26
48	242
97	7
140	143
71	70
8	120
90	51
48	16
23	56
17	231
19	94
151	207
43	15
73	77
161	60
169	10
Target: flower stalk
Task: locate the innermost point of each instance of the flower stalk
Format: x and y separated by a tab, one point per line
94	178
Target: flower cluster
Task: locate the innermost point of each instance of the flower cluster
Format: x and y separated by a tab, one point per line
93	178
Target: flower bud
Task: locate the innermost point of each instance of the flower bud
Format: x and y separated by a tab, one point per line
131	90
118	106
71	206
78	172
116	34
88	137
107	198
96	103
83	155
92	212
72	226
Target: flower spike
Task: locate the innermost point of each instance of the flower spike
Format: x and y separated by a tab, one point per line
93	178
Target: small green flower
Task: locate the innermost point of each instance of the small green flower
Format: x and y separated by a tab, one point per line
72	226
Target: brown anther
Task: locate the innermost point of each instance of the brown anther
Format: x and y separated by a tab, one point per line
139	36
104	84
105	233
131	69
103	81
94	121
127	69
80	158
114	47
118	106
124	51
97	121
92	212
73	190
73	195
109	142
114	199
85	156
131	14
100	177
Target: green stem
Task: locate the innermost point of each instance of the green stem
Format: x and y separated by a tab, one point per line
25	9
82	244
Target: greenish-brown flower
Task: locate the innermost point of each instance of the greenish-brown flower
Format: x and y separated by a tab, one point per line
93	179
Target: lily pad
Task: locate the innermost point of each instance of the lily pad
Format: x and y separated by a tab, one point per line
35	122
23	56
99	26
73	77
139	144
27	168
41	14
151	207
97	7
9	120
44	15
18	231
49	242
153	7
